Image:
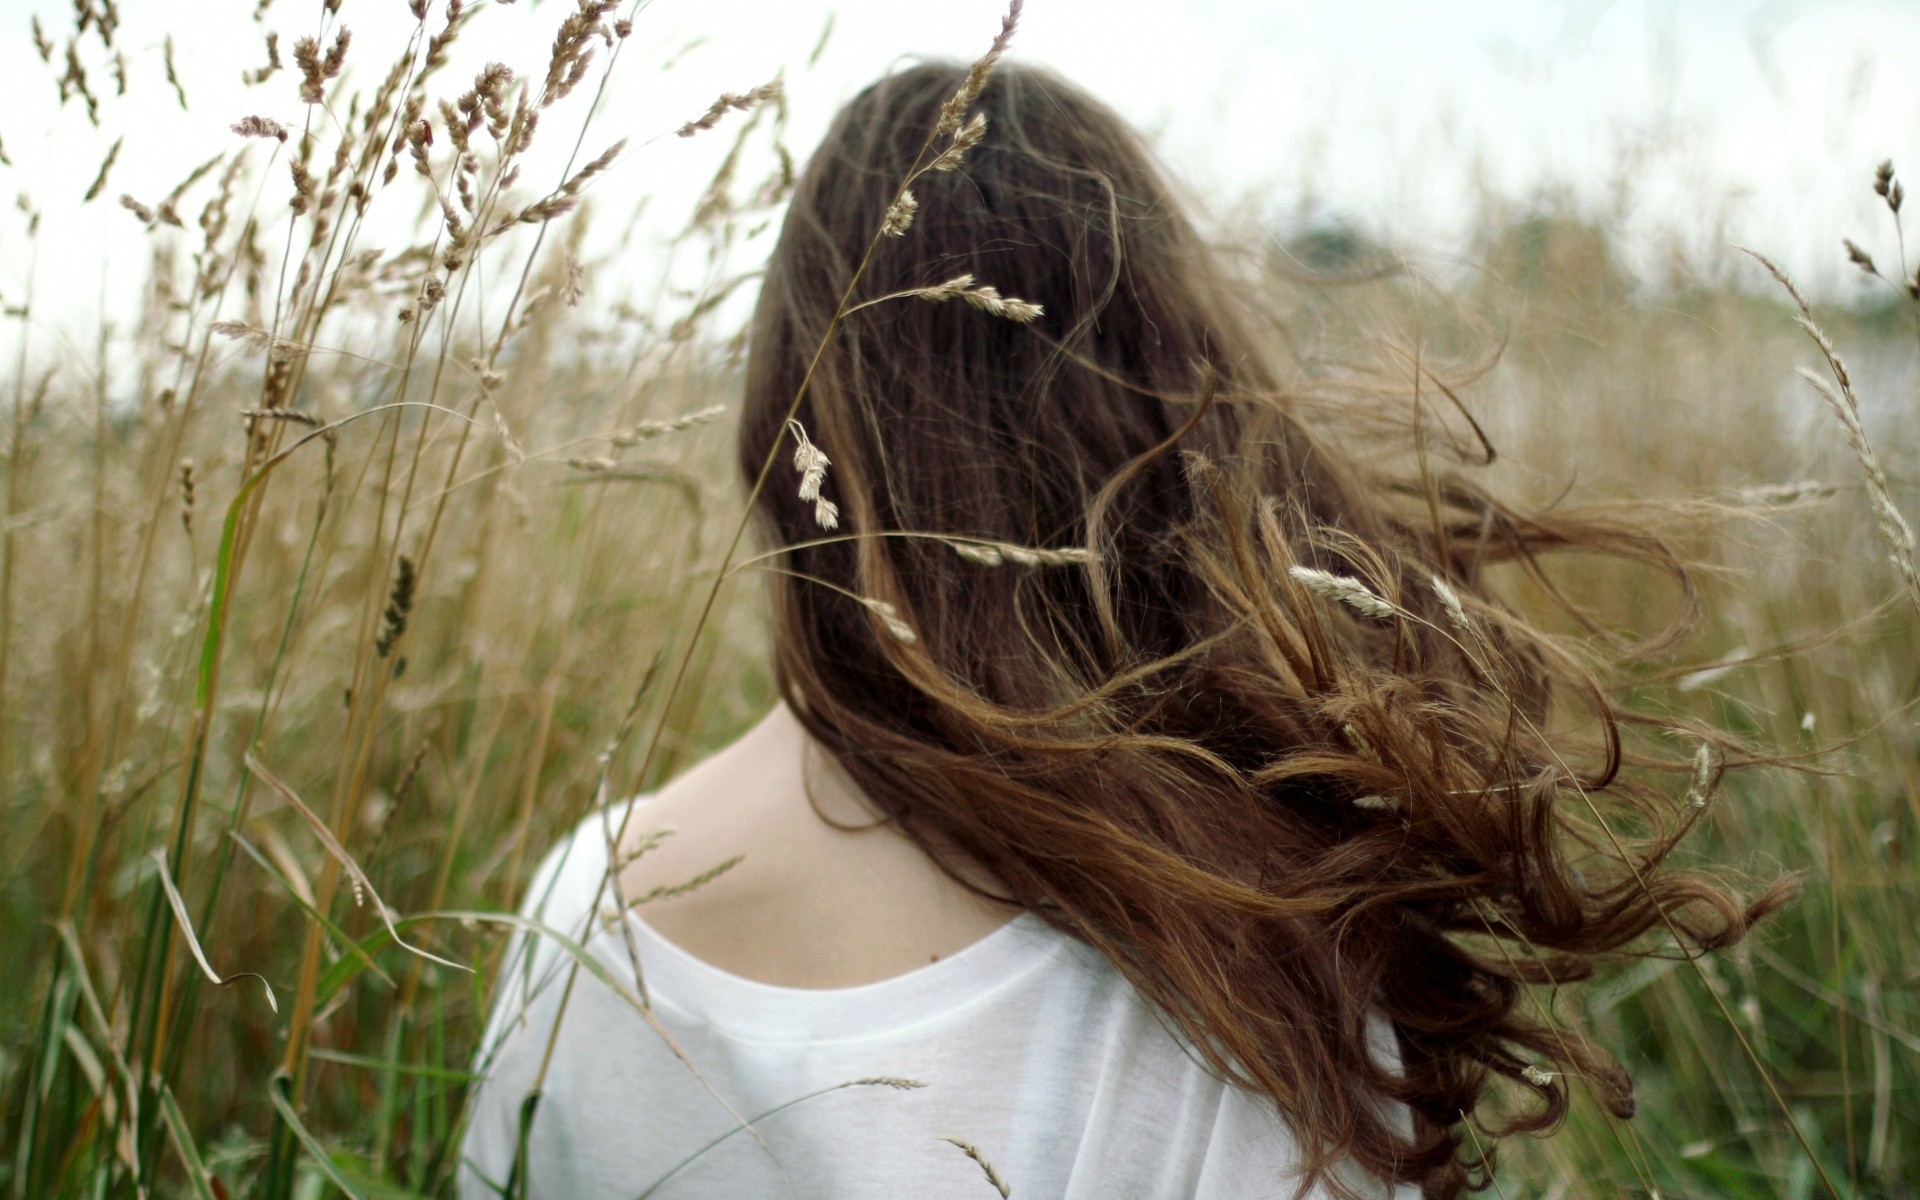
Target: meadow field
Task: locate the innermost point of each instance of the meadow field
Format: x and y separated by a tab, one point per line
358	568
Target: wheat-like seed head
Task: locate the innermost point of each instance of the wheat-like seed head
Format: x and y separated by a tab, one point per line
986	1168
981	296
731	102
1450	602
1708	767
890	617
1343	588
992	554
647	430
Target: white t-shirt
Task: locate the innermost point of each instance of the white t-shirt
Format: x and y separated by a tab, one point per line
1031	1047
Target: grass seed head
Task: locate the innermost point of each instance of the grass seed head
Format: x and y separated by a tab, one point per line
1345	589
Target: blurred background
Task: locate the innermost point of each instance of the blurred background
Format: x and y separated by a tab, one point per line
1680	124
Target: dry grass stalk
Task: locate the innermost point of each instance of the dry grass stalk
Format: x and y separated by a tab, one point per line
362	884
1893	527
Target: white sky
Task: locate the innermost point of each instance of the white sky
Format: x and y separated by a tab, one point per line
1748	120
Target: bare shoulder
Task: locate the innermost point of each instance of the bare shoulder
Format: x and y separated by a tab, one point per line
751	867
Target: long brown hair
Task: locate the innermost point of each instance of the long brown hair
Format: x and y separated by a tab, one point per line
1107	617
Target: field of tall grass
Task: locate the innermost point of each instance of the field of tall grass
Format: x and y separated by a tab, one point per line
359	568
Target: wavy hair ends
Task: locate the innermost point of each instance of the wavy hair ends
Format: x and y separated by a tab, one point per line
1109	622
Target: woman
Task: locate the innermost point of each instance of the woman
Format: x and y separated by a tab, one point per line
1158	804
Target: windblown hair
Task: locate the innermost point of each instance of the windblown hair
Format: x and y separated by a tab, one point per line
1252	724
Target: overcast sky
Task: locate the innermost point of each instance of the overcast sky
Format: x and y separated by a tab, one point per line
1749	120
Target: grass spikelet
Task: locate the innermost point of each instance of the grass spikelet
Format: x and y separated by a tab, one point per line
888	1081
185	923
1709	765
138	209
648	430
1450	604
260	127
1783	494
1344	589
900	214
731	102
993	554
186	494
399	607
292	416
964	139
106	166
669	891
257	75
955	109
981	296
973	1152
812	463
890	617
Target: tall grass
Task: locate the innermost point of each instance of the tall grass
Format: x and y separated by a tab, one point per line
332	584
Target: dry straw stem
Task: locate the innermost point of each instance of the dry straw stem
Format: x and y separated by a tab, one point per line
986	1168
1894	529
